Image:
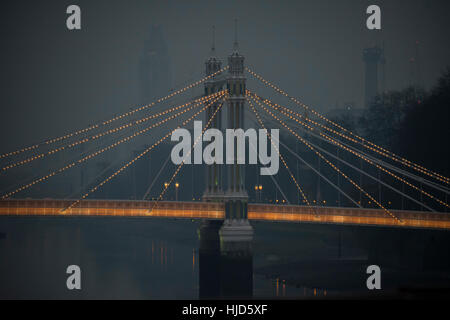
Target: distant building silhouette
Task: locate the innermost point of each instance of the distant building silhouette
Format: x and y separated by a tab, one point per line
154	66
372	57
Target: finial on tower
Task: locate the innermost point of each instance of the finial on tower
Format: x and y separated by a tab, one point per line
235	46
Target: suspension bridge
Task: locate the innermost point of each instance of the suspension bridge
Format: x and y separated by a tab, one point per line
226	87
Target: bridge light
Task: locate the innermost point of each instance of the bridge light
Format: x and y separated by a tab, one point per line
177	184
166	184
256	188
260	187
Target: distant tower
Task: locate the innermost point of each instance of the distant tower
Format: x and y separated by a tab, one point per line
372	57
154	66
383	71
415	72
213	190
236	233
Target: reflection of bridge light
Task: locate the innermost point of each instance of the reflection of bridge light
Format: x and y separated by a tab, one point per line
277	288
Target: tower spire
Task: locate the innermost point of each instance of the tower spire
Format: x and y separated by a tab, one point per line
235	45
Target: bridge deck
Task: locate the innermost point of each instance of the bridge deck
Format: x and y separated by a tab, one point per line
209	210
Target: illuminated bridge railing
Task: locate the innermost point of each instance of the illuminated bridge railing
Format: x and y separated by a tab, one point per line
121	208
336	215
211	210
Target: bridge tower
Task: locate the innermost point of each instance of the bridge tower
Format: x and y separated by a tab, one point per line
208	232
236	233
225	247
213	190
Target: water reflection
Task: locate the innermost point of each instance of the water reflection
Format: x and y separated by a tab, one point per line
209	260
223	272
124	259
164	259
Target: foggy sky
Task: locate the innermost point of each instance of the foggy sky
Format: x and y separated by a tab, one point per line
54	80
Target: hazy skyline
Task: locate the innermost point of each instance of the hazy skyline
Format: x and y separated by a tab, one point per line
55	80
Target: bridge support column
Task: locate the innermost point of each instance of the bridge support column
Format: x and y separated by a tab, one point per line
236	236
209	259
225	261
236	269
236	233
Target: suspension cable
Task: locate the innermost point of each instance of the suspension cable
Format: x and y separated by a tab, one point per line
156	177
279	154
102	134
321	175
392	156
409	174
107	122
92	155
167	185
328	162
337	143
271	176
134	160
368	175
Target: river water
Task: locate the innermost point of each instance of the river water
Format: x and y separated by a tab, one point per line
151	258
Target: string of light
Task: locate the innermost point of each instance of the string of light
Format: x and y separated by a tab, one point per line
328	162
92	155
167	185
392	155
134	159
337	143
276	148
386	171
277	106
102	134
121	116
